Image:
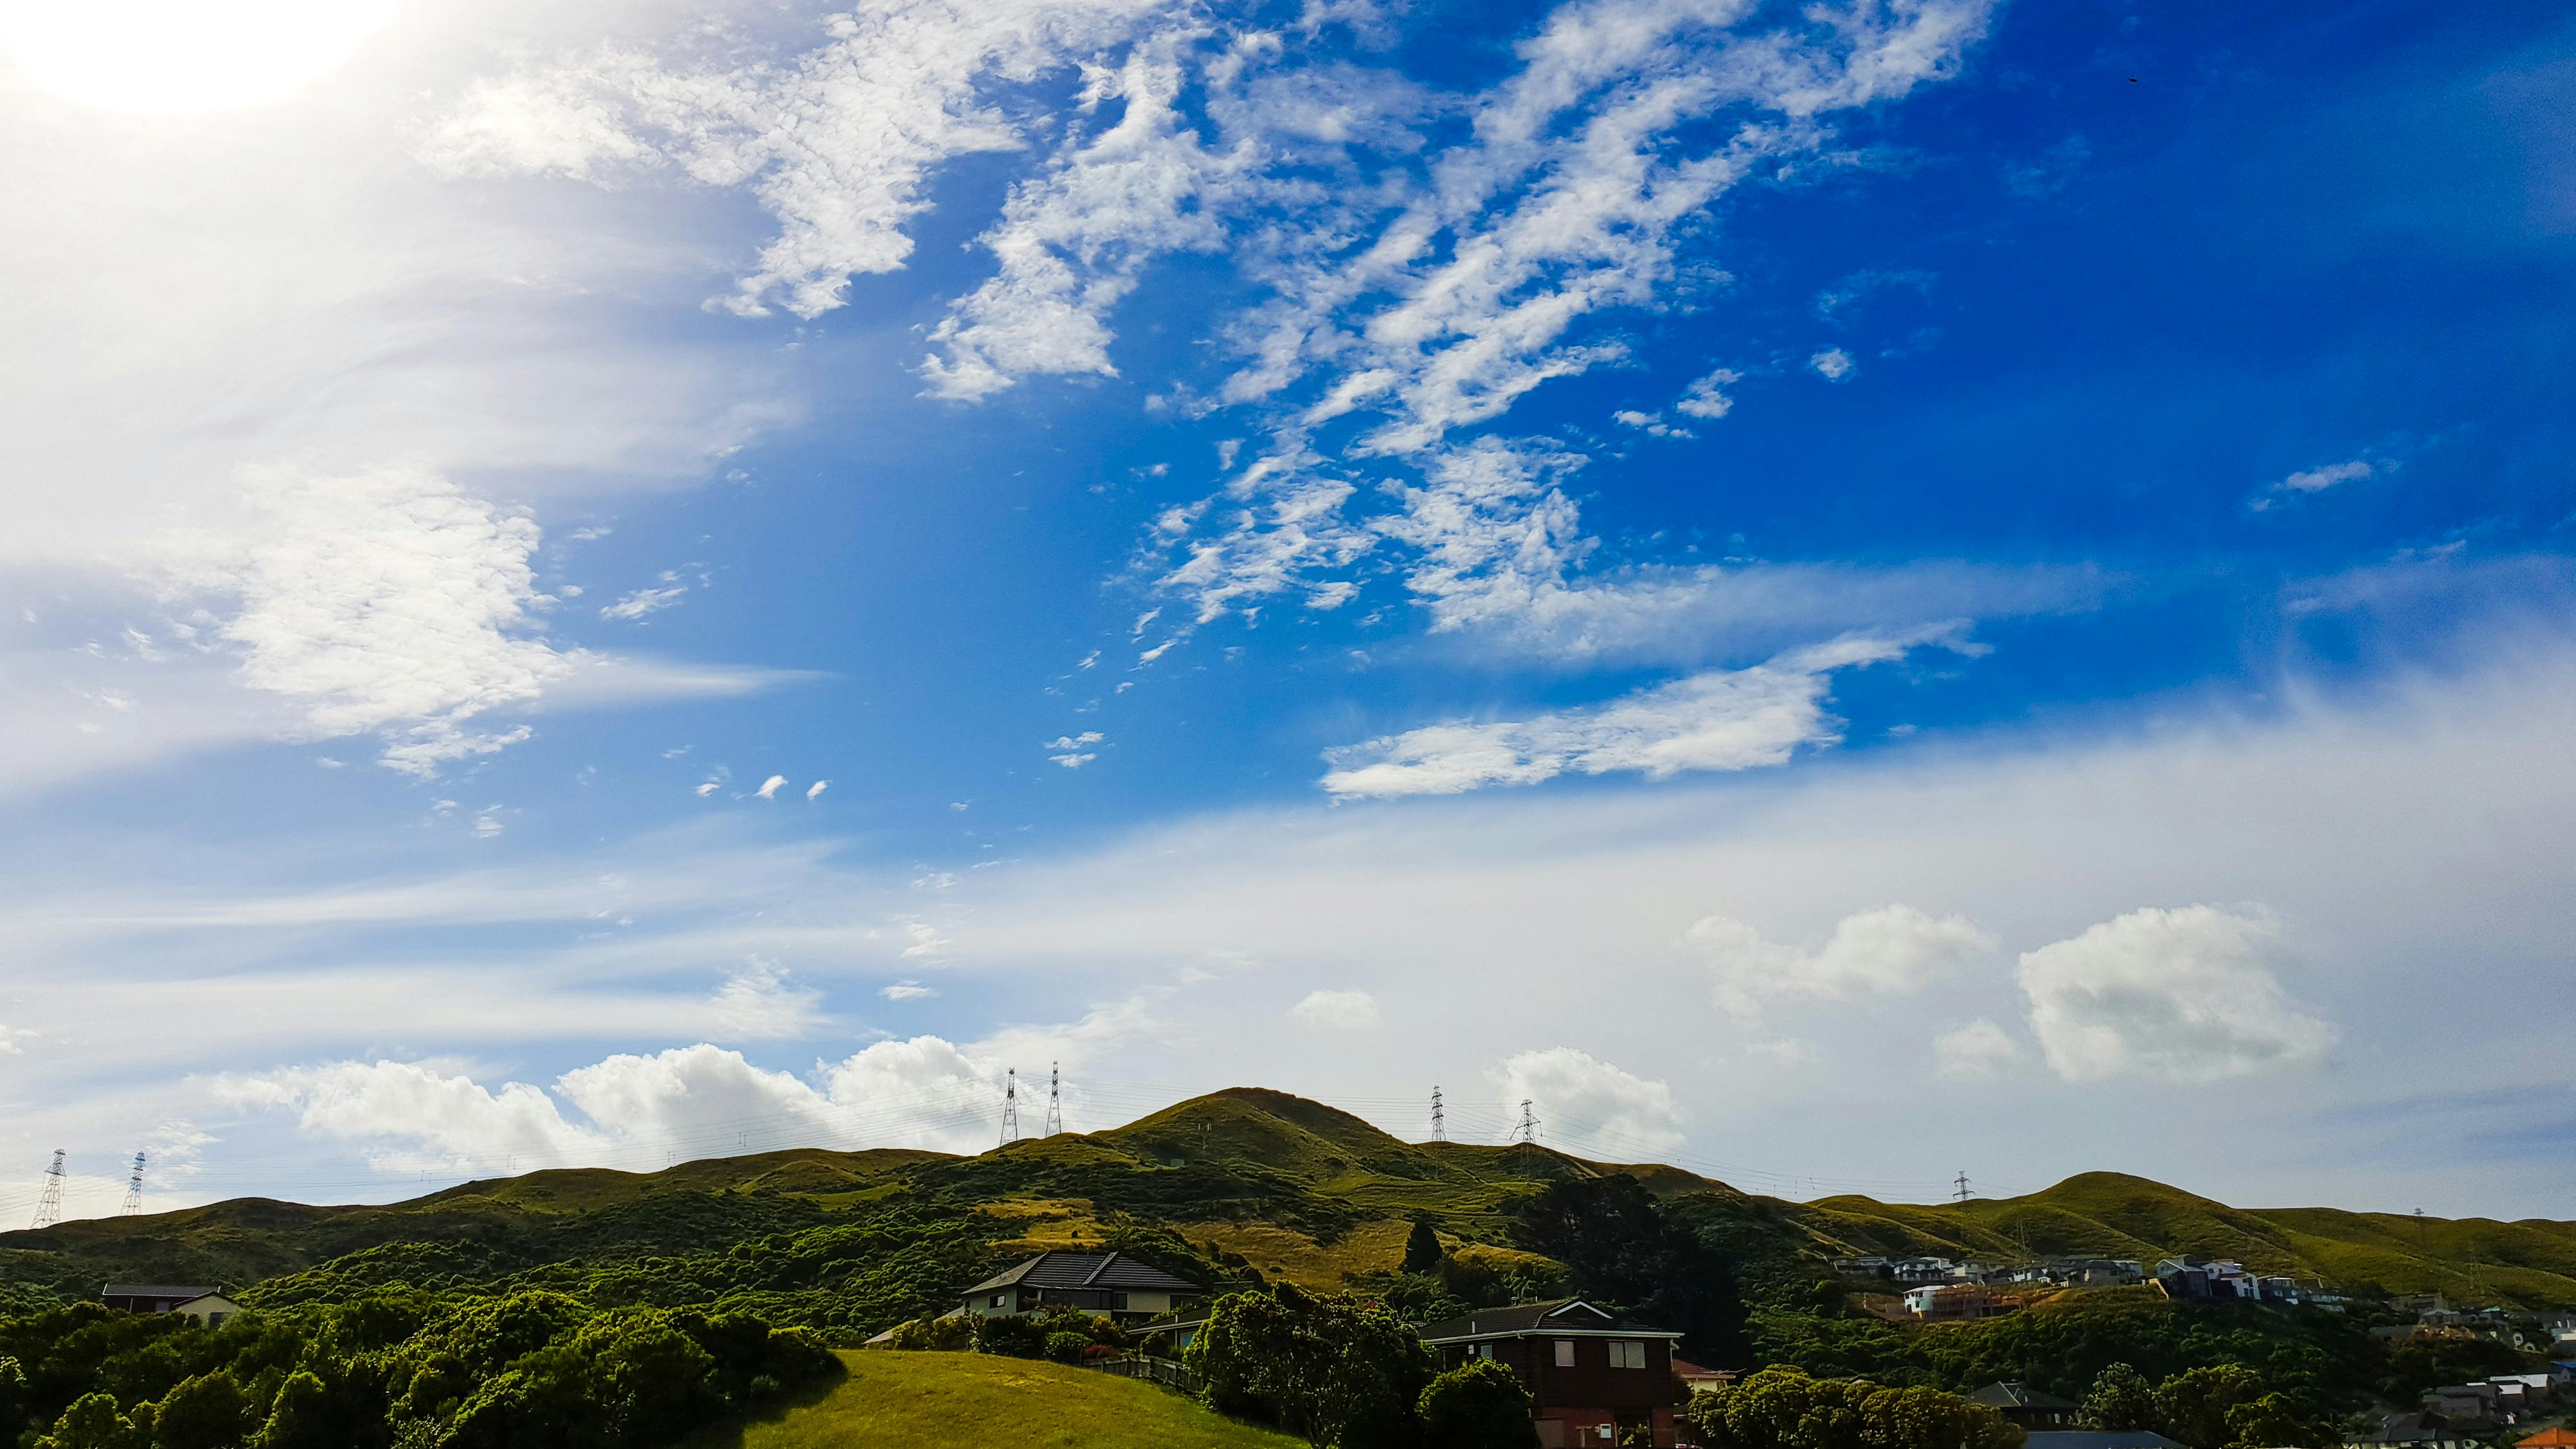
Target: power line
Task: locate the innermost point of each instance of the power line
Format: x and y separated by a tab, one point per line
133	1190
49	1203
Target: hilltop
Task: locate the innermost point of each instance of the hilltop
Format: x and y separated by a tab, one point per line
1243	1181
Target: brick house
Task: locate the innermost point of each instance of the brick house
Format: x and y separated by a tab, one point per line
1592	1374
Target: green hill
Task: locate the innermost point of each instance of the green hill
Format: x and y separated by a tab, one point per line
968	1401
1238	1181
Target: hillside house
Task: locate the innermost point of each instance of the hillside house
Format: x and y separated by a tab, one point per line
2415	1431
1956	1303
2097	1439
1112	1285
2027	1407
204	1307
1593	1376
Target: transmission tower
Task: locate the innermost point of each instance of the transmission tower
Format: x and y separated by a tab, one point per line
133	1190
1960	1188
1439	1123
1055	1099
1011	1107
1527	1129
49	1203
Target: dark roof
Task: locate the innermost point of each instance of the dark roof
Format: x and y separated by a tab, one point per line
153	1290
1085	1270
1562	1315
2098	1439
2016	1396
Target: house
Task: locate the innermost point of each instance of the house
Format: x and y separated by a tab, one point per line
1592	1376
2550	1439
2098	1439
206	1307
2021	1404
1956	1302
1698	1380
2414	1431
1113	1285
1169	1337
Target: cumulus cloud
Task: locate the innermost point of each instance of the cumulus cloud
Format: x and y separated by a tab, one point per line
1721	720
1891	949
1587	1104
817	788
1706	396
1832	364
2185	994
1979	1049
631	1110
387	602
1343	1011
769	788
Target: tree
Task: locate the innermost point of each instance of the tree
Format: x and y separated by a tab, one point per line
1625	1250
1421	1247
209	1411
2272	1422
1478	1405
13	1400
1784	1409
2120	1400
2193	1407
1337	1371
92	1422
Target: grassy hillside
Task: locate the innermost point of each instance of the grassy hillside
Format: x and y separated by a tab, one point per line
1242	1181
969	1401
2530	1263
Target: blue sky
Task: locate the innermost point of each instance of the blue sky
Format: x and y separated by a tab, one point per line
1991	580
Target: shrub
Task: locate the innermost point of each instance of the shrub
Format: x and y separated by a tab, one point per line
1478	1405
1067	1347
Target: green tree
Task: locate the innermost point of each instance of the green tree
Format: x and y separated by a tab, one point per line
2120	1400
209	1411
92	1422
1624	1249
1478	1405
13	1400
1337	1371
1067	1347
1784	1409
1421	1248
2274	1421
307	1415
2194	1407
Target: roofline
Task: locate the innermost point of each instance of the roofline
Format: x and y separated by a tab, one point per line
1535	1332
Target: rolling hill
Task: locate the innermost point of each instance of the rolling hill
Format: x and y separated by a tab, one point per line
965	1401
1256	1179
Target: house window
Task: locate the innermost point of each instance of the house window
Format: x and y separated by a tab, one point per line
998	1300
1481	1350
1627	1354
1565	1353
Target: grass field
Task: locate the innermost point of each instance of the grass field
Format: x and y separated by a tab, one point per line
972	1401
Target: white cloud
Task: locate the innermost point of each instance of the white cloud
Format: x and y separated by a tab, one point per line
1073	761
1590	1104
1722	720
9	1039
1652	424
2317	480
2183	994
385	602
1342	1011
1073	742
1833	364
1979	1049
769	788
757	1001
906	991
1706	396
704	788
644	601
817	788
1891	949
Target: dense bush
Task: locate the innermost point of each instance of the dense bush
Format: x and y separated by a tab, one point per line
1624	1249
1785	1409
1339	1371
525	1371
1478	1405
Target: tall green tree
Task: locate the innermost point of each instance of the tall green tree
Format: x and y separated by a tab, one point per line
209	1411
1421	1247
2194	1407
1624	1249
92	1422
1785	1409
1478	1405
2121	1399
1336	1370
14	1400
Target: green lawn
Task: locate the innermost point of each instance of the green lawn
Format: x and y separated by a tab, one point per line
975	1401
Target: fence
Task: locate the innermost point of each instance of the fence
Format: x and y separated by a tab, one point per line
1157	1370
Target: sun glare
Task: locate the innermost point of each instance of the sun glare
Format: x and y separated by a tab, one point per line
178	57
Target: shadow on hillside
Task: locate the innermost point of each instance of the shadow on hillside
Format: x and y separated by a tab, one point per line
771	1411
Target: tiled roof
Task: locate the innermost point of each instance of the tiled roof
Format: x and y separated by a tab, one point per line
152	1290
1562	1315
1086	1270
